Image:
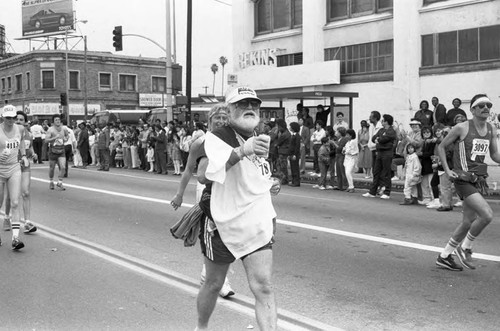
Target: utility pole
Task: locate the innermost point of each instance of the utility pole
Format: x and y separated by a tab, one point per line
85	98
188	58
206	88
168	51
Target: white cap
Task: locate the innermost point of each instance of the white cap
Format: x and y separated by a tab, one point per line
9	111
240	93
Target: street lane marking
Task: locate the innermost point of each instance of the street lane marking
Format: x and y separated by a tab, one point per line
294	224
286	320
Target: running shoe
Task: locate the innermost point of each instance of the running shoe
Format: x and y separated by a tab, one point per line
29	227
60	186
17	244
51	185
465	257
448	263
329	187
322	187
368	195
226	291
315	186
458	204
385	197
6	224
434	204
395	178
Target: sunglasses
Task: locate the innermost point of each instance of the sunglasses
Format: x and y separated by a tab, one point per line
243	104
487	104
10	118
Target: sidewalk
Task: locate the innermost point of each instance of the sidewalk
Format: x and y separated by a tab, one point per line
360	182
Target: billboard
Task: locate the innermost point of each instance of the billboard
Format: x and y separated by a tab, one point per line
42	17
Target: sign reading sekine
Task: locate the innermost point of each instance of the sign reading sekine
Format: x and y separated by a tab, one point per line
41	17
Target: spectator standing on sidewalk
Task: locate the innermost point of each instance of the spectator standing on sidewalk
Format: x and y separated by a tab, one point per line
69	150
342	140
350	152
456	110
384	140
316	137
424	115
322	114
413	176
323	163
295	152
308	120
103	142
472	141
283	145
305	144
375	125
425	156
83	144
439	115
365	155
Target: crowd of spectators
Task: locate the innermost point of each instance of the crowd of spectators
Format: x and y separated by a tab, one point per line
382	150
153	147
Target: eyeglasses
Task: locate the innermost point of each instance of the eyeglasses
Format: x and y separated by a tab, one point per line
243	104
487	104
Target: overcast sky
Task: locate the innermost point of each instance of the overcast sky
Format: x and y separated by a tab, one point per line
212	33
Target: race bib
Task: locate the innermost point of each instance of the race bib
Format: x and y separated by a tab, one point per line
262	165
27	144
479	147
11	145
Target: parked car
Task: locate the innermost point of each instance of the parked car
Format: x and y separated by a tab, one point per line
48	17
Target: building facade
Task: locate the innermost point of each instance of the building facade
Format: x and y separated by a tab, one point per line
394	54
36	82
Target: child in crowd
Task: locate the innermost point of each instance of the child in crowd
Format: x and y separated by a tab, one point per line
426	154
150	156
176	151
412	176
350	152
323	162
119	156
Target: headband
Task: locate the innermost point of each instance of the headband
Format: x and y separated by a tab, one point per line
480	100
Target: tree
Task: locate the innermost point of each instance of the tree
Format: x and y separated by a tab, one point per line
223	62
214	69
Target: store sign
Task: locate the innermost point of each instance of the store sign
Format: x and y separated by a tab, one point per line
79	109
43	108
150	100
232	79
264	57
41	17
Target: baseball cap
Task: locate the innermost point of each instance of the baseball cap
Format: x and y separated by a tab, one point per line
240	93
9	111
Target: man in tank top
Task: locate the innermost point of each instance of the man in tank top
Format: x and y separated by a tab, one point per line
472	140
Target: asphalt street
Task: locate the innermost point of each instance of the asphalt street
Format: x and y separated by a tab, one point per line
341	261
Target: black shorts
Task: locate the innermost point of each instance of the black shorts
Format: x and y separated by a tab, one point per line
56	157
215	250
464	189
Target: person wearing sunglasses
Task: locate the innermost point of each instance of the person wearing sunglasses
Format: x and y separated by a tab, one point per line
11	145
472	140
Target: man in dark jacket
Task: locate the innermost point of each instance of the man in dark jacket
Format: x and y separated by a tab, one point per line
283	146
295	153
384	139
456	110
439	111
103	141
83	144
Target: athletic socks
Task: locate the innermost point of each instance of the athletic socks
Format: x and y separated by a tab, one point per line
467	243
15	229
450	247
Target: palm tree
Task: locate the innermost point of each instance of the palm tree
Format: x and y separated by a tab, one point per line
223	61
214	69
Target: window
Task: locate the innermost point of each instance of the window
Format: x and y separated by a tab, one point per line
289	60
127	83
9	84
104	81
74	80
28	81
158	84
463	46
19	83
3	85
363	58
48	79
277	15
342	9
428	2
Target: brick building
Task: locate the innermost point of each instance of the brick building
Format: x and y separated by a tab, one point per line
34	81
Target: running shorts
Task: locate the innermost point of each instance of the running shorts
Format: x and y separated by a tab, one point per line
464	189
214	249
8	171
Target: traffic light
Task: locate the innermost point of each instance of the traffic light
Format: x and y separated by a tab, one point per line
64	99
117	38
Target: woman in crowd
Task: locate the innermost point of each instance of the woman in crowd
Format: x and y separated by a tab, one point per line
425	156
339	159
365	155
316	137
424	115
176	150
134	148
93	146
